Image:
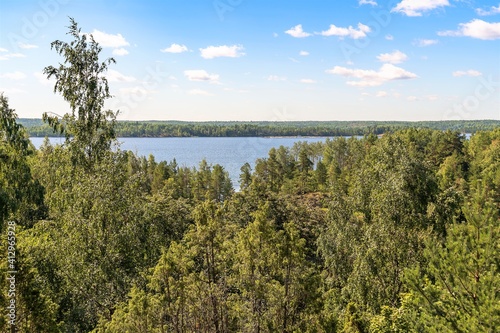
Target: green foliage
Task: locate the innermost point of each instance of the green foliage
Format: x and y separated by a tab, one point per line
81	82
266	128
21	197
458	290
398	233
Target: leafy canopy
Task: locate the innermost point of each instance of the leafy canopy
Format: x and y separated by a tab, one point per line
81	81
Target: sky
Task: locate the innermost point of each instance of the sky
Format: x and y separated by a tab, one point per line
249	60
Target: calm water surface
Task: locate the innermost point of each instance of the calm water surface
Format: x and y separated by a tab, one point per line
231	153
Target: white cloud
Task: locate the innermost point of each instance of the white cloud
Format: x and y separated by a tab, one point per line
199	92
120	52
201	75
368	2
417	7
308	81
395	57
297	32
241	91
15	55
371	78
175	48
13	76
134	91
115	76
430	98
42	78
475	29
389	37
425	42
27	46
109	40
470	72
211	52
347	32
3	50
11	55
276	78
12	91
303	53
492	11
381	94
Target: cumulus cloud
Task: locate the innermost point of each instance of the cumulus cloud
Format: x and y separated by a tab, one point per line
233	51
13	76
492	11
11	55
175	48
417	7
201	75
109	40
395	57
134	91
15	55
476	29
120	52
276	78
303	53
351	32
425	42
297	32
367	2
115	76
371	78
381	94
42	79
470	72
3	50
199	92
12	91
27	46
308	81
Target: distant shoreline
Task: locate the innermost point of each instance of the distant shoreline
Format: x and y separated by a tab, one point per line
264	129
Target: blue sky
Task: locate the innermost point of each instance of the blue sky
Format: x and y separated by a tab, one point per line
266	60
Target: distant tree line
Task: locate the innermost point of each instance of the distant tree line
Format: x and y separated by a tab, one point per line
37	128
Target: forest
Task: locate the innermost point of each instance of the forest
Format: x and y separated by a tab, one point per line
37	128
392	233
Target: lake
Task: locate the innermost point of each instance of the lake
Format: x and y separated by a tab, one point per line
231	153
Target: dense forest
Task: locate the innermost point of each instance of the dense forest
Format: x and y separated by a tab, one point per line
399	233
37	128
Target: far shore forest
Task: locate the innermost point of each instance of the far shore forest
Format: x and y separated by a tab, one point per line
369	233
157	129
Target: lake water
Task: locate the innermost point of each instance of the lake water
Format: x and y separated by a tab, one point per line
231	153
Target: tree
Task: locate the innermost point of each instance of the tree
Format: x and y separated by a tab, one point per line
10	131
21	204
245	176
81	82
321	174
21	197
458	290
